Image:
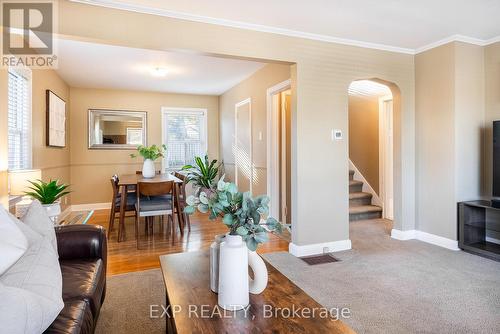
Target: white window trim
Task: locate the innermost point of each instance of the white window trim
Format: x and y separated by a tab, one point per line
129	130
175	110
27	74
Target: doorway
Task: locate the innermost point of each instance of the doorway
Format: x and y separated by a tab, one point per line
371	151
243	145
279	114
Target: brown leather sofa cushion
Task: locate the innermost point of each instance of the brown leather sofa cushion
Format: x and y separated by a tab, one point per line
75	318
84	279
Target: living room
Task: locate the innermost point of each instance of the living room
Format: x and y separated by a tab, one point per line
163	63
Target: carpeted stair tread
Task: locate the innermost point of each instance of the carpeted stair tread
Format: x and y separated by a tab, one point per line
359	195
355	183
364	209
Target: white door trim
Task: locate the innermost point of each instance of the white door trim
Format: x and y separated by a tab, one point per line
382	156
166	110
250	154
273	185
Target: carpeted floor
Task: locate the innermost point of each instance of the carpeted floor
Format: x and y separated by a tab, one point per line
390	286
127	305
396	286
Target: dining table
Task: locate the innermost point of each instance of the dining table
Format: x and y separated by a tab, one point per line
127	180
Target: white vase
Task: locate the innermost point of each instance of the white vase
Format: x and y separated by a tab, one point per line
233	274
148	169
214	262
260	277
53	211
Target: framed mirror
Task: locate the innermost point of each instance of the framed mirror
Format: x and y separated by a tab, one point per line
117	129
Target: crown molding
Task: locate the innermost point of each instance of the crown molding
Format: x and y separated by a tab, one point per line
458	38
281	31
243	25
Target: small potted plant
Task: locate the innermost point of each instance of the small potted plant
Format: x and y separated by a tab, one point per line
49	194
203	175
150	154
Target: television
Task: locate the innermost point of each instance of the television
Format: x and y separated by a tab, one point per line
496	161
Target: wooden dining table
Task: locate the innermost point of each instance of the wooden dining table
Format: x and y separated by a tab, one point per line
127	180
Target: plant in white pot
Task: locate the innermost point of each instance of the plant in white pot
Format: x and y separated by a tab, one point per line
49	194
150	154
243	215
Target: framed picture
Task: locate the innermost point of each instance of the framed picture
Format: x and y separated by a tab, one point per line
56	120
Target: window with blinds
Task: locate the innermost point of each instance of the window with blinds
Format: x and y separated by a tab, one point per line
19	122
185	134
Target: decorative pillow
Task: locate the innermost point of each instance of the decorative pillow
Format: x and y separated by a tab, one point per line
21	311
34	283
37	218
13	243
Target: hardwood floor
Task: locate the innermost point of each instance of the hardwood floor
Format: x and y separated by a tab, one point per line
124	256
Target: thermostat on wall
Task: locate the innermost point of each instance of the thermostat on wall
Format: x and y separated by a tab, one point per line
336	134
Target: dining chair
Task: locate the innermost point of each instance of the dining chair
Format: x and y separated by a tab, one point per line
116	205
154	199
182	196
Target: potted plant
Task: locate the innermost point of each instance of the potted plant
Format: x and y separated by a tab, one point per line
150	154
245	216
203	174
49	194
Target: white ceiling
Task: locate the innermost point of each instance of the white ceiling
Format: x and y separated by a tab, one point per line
367	88
399	25
91	65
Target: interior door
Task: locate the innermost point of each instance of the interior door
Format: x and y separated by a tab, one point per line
243	146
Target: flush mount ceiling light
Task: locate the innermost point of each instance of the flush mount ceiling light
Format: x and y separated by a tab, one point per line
159	72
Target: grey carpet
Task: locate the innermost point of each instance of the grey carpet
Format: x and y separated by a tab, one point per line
396	286
390	286
127	304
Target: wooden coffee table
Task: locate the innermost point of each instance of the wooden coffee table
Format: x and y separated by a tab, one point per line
194	306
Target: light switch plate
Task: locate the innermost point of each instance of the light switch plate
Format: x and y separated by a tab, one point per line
336	134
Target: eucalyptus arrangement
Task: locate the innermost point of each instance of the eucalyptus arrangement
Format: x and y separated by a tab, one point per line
152	152
203	173
240	212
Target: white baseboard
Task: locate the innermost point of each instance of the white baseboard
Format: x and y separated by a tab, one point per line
403	235
90	206
425	237
314	249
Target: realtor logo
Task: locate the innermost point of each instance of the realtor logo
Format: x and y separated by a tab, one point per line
28	34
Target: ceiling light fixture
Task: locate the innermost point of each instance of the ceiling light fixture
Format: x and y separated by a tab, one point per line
159	72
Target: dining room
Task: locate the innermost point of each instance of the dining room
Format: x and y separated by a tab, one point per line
137	119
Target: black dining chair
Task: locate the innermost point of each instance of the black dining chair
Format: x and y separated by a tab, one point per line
116	205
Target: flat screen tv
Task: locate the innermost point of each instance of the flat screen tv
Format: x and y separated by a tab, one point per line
496	160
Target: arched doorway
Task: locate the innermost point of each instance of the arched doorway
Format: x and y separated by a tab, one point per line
373	113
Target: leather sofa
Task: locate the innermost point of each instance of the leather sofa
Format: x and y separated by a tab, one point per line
82	256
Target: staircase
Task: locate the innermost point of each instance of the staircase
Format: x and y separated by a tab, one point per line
360	203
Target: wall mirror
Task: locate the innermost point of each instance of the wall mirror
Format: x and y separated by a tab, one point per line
117	129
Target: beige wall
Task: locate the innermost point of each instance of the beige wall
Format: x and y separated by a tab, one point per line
54	162
364	137
319	82
492	108
450	117
91	169
255	87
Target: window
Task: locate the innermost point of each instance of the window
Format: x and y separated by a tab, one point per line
185	134
134	136
19	120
